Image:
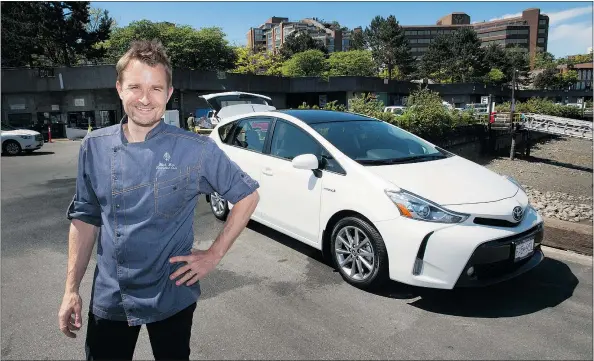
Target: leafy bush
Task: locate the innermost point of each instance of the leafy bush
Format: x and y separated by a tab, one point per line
541	106
425	115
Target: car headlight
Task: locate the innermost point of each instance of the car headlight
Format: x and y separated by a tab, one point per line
26	136
415	207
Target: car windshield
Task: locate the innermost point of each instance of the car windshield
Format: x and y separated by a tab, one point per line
377	142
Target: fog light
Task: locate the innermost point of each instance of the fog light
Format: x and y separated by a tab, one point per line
470	271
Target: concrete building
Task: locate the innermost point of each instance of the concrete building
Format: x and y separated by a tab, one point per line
272	34
528	31
80	96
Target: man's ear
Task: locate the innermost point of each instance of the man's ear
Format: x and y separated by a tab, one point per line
169	94
119	89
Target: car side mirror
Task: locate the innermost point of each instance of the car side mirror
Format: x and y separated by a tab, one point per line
306	161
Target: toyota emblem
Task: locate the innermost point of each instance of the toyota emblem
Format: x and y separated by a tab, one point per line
517	213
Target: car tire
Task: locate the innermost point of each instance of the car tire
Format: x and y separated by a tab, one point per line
219	206
370	253
11	147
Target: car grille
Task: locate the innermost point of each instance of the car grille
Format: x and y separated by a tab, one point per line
495	222
38	137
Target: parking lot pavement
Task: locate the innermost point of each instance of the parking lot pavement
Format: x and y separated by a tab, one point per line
272	297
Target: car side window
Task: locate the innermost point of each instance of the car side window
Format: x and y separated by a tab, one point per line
251	133
288	142
224	132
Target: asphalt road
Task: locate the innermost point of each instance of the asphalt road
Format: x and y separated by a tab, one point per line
273	298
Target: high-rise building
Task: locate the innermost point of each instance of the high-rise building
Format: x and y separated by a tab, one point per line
528	31
272	34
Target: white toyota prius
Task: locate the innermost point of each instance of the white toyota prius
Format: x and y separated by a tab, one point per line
381	202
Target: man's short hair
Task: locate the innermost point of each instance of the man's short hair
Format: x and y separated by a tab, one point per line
148	52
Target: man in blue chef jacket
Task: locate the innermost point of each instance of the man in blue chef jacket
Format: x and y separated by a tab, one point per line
137	187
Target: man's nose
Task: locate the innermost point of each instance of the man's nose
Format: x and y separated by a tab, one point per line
144	99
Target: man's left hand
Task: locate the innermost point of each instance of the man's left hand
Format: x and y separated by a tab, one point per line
199	264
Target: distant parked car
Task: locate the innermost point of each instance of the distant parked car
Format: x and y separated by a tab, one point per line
15	141
397	110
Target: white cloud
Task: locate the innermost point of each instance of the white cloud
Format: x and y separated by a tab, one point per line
570	39
559	16
507	16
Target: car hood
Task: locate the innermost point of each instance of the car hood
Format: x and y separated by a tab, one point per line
20	132
449	181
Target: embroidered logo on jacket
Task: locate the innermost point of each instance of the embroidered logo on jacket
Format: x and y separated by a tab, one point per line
166	165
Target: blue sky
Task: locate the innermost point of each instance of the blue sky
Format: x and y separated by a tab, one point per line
570	30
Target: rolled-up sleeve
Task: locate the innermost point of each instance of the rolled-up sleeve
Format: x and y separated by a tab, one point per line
220	174
84	205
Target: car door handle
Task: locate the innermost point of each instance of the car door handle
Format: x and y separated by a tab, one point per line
267	171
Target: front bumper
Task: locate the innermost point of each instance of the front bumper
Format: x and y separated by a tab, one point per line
439	255
35	144
494	261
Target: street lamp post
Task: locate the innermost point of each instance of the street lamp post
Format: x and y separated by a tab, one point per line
511	116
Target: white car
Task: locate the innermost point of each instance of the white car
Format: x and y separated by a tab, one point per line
14	140
397	110
380	201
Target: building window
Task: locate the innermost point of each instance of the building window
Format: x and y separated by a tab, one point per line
542	22
542	31
541	40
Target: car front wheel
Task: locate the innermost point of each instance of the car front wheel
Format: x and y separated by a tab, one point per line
219	206
359	253
11	147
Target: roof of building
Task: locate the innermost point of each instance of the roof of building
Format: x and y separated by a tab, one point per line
314	116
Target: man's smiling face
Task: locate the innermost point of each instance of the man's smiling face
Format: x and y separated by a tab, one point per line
144	92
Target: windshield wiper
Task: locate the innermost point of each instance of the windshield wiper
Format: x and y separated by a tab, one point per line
410	159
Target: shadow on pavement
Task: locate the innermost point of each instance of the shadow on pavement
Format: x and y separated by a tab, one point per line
533	159
28	154
547	285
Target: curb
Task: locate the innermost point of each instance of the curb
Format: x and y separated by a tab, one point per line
568	236
569	226
567	256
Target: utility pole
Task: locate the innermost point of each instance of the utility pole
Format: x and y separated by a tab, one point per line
511	116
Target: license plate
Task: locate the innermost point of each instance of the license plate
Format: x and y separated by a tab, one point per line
524	248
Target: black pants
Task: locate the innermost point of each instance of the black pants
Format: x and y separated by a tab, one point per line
115	340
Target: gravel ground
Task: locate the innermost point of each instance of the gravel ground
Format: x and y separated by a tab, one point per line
557	177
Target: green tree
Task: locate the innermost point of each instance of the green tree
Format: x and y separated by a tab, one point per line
357	41
567	78
21	27
495	76
203	49
388	45
494	57
51	33
300	41
436	63
544	60
351	63
305	63
257	63
456	57
547	79
518	60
